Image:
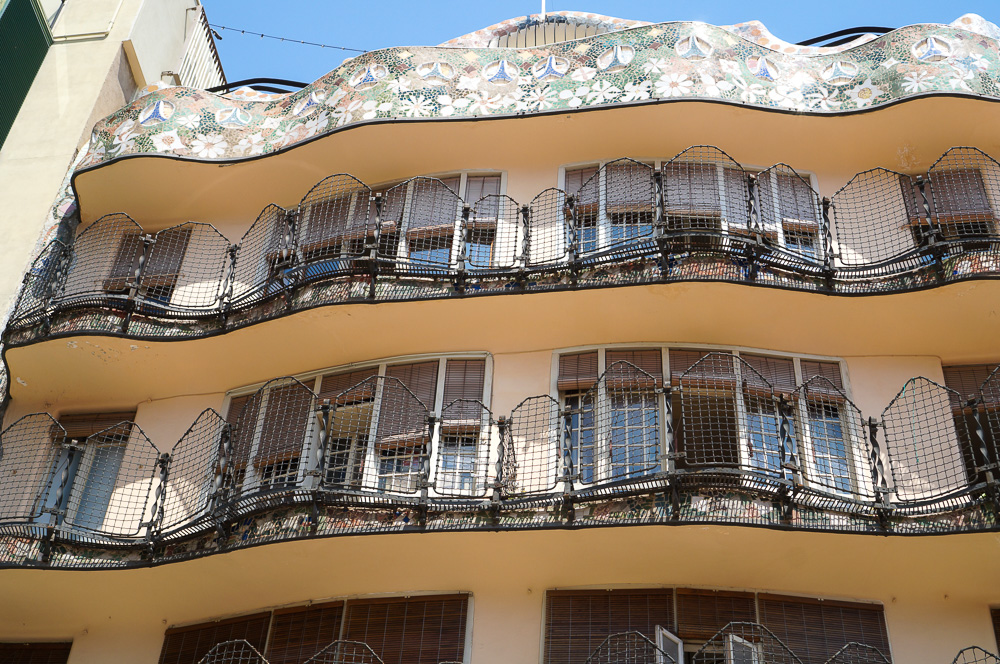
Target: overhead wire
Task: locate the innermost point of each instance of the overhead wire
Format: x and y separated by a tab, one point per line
283	39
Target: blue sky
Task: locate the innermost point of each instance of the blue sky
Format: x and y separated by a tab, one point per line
379	24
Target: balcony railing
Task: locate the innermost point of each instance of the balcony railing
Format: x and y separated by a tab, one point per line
700	217
736	642
720	429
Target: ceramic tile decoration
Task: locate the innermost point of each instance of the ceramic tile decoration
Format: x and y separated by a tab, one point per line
633	63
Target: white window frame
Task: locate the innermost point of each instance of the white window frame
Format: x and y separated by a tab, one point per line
306	478
778	230
733	641
669	643
851	431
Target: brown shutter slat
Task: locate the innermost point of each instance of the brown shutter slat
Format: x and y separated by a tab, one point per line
960	192
778	371
995	616
432	206
126	261
702	613
167	254
286	422
682	360
242	427
692	188
815	629
968	378
829	370
299	633
417	630
400	418
34	653
186	645
578	177
87	424
463	379
420	378
576	621
629	189
333	385
650	361
577	371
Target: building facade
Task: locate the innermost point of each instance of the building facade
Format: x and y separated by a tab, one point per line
573	339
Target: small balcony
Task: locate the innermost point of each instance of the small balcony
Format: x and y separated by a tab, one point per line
699	217
717	443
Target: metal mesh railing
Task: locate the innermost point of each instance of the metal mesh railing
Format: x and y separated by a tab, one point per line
745	642
989	396
345	652
29	474
975	655
927	446
233	652
615	431
858	653
191	482
112	493
531	458
629	648
700	216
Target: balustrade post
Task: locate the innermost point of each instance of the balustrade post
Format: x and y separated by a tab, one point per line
572	247
503	429
373	243
668	453
566	458
463	249
755	244
879	482
424	476
789	452
318	472
984	458
155	524
226	293
932	237
148	241
660	224
525	257
220	495
57	510
54	285
828	252
289	255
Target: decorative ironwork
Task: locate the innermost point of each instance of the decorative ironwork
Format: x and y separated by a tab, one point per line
345	652
629	648
745	642
233	652
858	653
975	655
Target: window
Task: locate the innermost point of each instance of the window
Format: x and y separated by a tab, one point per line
91	472
686	619
960	204
706	200
421	220
790	213
379	430
614	204
967	380
615	431
413	630
335	219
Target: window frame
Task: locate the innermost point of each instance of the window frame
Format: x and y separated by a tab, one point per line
855	459
950	224
305	478
778	235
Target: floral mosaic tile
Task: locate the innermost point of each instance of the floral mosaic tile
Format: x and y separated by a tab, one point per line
740	64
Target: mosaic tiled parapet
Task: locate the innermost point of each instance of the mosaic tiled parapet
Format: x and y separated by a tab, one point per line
740	65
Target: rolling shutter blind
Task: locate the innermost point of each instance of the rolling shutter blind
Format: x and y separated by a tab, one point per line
576	621
400	416
334	385
126	262
702	613
831	372
298	634
960	192
995	615
423	630
779	372
576	178
650	361
81	426
967	379
186	645
691	188
433	206
241	427
682	360
796	198
34	653
577	371
286	422
463	379
737	212
479	186
166	256
629	189
911	197
815	629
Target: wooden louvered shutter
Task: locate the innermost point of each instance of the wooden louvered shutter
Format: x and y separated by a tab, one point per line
815	629
240	431
35	653
692	189
967	379
166	257
702	613
960	192
186	645
779	372
299	633
577	621
400	417
585	185
828	370
87	424
463	379
432	207
797	199
577	371
333	385
286	422
912	199
682	360
478	187
629	188
126	262
650	361
417	630
995	616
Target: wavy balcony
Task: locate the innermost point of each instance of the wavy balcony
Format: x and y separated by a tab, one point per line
717	444
646	64
699	217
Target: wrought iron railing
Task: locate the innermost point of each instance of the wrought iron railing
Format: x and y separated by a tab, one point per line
698	217
721	427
